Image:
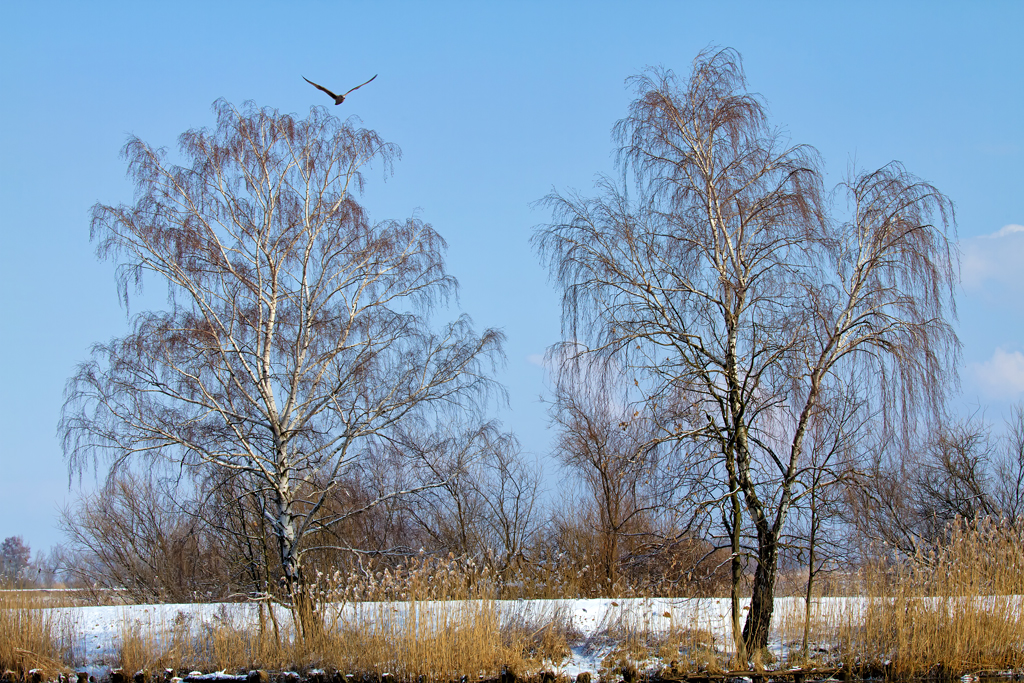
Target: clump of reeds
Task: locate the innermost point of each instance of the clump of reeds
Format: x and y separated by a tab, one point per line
226	641
435	619
953	610
820	622
29	636
628	639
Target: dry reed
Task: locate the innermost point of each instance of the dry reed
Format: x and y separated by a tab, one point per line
435	620
955	610
30	638
952	611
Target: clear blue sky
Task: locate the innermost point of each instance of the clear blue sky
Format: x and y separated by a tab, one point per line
493	104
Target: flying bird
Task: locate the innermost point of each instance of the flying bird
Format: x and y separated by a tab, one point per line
338	99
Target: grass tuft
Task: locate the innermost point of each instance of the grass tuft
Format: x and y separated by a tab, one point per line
956	610
29	636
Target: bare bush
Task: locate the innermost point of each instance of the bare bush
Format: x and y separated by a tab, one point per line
136	537
908	499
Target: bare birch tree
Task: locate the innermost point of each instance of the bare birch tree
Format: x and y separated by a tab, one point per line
726	284
295	340
451	515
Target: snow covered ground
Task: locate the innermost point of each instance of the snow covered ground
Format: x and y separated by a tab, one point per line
95	630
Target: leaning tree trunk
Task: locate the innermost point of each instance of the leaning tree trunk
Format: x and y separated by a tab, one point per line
811	546
734	468
736	566
762	600
808	596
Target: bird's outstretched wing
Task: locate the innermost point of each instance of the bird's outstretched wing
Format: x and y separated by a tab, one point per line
320	87
355	88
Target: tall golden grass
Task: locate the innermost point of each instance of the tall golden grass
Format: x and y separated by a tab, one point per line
440	642
954	610
30	637
435	620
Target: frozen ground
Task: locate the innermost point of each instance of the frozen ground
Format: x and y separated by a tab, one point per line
598	622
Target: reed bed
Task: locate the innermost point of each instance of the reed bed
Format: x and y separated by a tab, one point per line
431	621
631	640
948	612
30	637
954	610
440	642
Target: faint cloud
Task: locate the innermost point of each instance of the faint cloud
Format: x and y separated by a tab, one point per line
993	263
1004	231
573	358
1002	375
